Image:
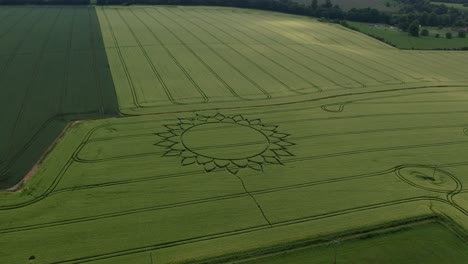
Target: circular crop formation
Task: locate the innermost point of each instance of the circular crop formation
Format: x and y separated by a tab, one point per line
225	142
428	178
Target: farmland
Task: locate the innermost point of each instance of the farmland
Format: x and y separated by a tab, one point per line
53	69
240	132
416	245
403	40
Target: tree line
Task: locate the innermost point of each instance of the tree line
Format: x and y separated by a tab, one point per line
453	1
327	10
44	2
421	11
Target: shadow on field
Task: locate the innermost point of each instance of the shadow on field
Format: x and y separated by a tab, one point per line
53	70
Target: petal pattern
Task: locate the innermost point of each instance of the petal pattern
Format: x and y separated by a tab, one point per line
171	141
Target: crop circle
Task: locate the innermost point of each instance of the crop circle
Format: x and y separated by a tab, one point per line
225	142
428	178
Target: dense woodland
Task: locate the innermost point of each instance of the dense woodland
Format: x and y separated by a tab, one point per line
42	2
412	12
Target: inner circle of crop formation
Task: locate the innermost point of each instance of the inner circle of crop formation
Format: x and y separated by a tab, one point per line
227	141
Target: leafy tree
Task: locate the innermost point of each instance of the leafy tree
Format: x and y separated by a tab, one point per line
314	5
461	34
448	35
432	20
413	28
425	32
328	4
437	35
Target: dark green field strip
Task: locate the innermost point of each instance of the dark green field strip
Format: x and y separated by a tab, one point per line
12	38
10	23
50	81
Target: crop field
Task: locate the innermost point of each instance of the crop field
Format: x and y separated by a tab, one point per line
422	244
53	69
169	58
244	133
403	40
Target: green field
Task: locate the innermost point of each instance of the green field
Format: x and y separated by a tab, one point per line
53	69
420	244
403	40
455	5
241	131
